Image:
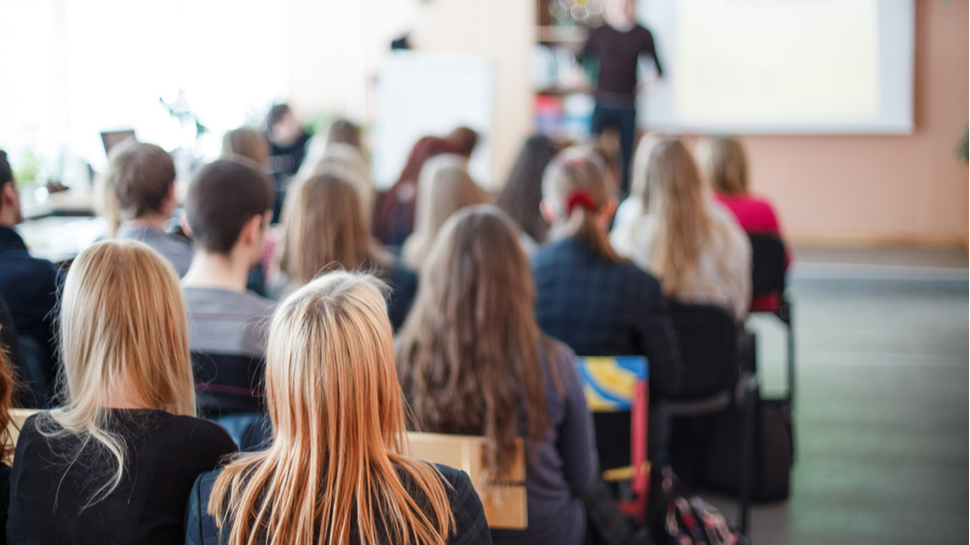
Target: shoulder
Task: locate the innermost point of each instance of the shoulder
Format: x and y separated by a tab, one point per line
398	272
205	437
551	252
470	523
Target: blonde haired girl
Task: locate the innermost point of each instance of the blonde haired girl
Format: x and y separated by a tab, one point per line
336	471
444	188
117	460
693	246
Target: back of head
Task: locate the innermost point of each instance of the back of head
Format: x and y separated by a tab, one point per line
140	177
222	198
576	187
276	113
324	226
464	140
6	176
522	193
677	201
472	335
246	142
723	165
444	188
123	332
342	131
335	404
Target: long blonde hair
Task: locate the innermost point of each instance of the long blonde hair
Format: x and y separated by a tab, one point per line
579	172
723	164
469	351
675	195
336	463
444	188
122	329
324	226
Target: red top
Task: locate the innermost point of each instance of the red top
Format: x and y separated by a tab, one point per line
756	216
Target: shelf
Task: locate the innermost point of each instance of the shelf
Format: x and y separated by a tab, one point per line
561	34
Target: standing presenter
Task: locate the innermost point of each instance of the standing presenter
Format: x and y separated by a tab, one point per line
617	45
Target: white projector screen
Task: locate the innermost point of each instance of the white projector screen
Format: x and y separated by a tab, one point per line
781	66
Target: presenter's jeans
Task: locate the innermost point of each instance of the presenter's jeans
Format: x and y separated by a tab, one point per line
624	119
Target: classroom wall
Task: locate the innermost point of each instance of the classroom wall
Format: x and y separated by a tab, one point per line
883	189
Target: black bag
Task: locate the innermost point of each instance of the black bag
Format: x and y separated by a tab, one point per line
681	520
773	453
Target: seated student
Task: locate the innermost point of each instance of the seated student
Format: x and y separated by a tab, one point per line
394	211
586	295
337	471
228	210
117	461
695	247
723	165
246	142
141	178
341	150
523	190
7	386
443	189
472	361
28	285
324	228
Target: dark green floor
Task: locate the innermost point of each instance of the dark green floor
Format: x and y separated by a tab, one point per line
882	409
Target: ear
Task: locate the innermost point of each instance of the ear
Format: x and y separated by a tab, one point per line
548	213
252	230
609	208
184	219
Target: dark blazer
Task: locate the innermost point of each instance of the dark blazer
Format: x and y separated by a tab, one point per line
603	308
29	286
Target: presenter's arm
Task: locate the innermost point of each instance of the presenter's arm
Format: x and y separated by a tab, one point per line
588	50
649	48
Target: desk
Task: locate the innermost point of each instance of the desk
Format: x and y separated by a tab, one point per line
73	202
60	238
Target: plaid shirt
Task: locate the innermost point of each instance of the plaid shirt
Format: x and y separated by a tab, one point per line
602	308
470	525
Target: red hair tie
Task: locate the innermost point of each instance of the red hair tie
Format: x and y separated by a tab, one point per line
581	198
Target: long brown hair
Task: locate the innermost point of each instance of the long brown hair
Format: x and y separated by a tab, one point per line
579	170
7	386
469	351
336	467
444	188
523	190
323	226
675	196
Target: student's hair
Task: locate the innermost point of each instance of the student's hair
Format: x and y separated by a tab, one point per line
140	177
464	139
723	165
7	387
469	350
122	328
523	190
222	198
275	114
443	189
342	131
246	142
334	468
576	187
6	173
677	200
324	225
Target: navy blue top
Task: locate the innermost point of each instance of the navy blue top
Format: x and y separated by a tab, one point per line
404	286
603	308
29	287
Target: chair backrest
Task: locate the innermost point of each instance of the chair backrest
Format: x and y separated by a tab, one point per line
17	419
707	336
504	500
617	393
768	265
228	383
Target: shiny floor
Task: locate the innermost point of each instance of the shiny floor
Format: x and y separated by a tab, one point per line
881	415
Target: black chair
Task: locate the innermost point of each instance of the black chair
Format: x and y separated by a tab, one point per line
769	262
227	384
708	340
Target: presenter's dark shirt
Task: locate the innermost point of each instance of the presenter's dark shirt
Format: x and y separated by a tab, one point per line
165	454
618	53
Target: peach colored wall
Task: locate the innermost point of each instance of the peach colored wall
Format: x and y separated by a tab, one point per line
883	189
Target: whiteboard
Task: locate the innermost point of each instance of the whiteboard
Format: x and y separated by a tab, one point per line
781	66
430	94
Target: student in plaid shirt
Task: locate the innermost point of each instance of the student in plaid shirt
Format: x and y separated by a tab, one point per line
586	295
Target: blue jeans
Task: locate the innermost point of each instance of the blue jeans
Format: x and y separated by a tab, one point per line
624	119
